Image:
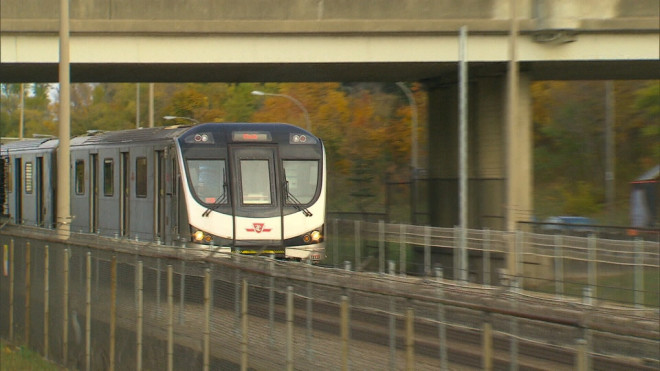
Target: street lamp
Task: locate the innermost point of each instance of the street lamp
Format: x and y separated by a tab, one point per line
294	100
182	118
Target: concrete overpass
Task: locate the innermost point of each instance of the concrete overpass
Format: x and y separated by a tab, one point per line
347	40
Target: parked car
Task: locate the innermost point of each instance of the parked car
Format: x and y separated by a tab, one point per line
569	224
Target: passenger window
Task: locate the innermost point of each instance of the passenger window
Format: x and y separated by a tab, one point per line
80	177
255	182
141	177
108	177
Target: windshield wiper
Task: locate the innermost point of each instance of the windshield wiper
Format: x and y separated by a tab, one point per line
293	200
219	200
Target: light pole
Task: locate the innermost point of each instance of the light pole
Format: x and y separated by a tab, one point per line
182	118
294	100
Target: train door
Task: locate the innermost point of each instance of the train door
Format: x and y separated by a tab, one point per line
159	200
94	192
255	188
39	189
18	191
124	193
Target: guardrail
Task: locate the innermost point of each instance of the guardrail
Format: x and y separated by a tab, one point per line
94	302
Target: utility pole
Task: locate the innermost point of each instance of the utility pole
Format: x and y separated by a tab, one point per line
21	120
463	154
63	152
610	119
151	104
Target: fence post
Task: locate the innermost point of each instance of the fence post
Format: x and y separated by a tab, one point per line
140	310
207	317
46	301
582	359
442	330
158	287
271	300
182	290
402	249
344	332
309	322
427	251
381	247
170	319
520	258
639	273
335	243
486	258
113	310
289	328
88	314
592	265
244	326
11	289
392	328
513	351
559	265
487	343
65	309
28	290
410	339
358	245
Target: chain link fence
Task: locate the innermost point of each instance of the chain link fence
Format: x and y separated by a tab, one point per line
96	303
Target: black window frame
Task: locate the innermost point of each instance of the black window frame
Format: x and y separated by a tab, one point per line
108	179
79	177
141	177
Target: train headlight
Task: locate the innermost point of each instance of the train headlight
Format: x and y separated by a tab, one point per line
316	236
198	236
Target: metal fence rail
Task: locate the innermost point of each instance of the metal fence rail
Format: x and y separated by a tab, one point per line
101	303
623	271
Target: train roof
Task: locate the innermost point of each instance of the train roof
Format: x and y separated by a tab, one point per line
155	134
143	135
28	144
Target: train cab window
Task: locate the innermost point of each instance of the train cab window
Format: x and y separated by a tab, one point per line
141	177
28	177
255	182
108	177
302	178
209	180
80	177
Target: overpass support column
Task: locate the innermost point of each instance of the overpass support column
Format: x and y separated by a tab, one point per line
499	156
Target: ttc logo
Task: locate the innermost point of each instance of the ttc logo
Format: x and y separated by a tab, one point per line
258	228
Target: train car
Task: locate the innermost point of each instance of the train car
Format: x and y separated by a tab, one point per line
242	187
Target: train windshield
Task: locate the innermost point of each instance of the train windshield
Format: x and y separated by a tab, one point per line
206	178
255	182
302	178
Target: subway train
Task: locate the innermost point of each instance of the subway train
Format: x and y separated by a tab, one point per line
250	188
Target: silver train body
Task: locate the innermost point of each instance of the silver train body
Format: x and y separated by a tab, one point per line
247	188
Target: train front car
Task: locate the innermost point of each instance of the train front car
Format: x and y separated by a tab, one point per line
255	189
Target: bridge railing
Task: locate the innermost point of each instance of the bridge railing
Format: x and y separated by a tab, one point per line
94	302
623	271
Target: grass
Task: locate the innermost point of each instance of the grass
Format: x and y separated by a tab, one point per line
14	357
